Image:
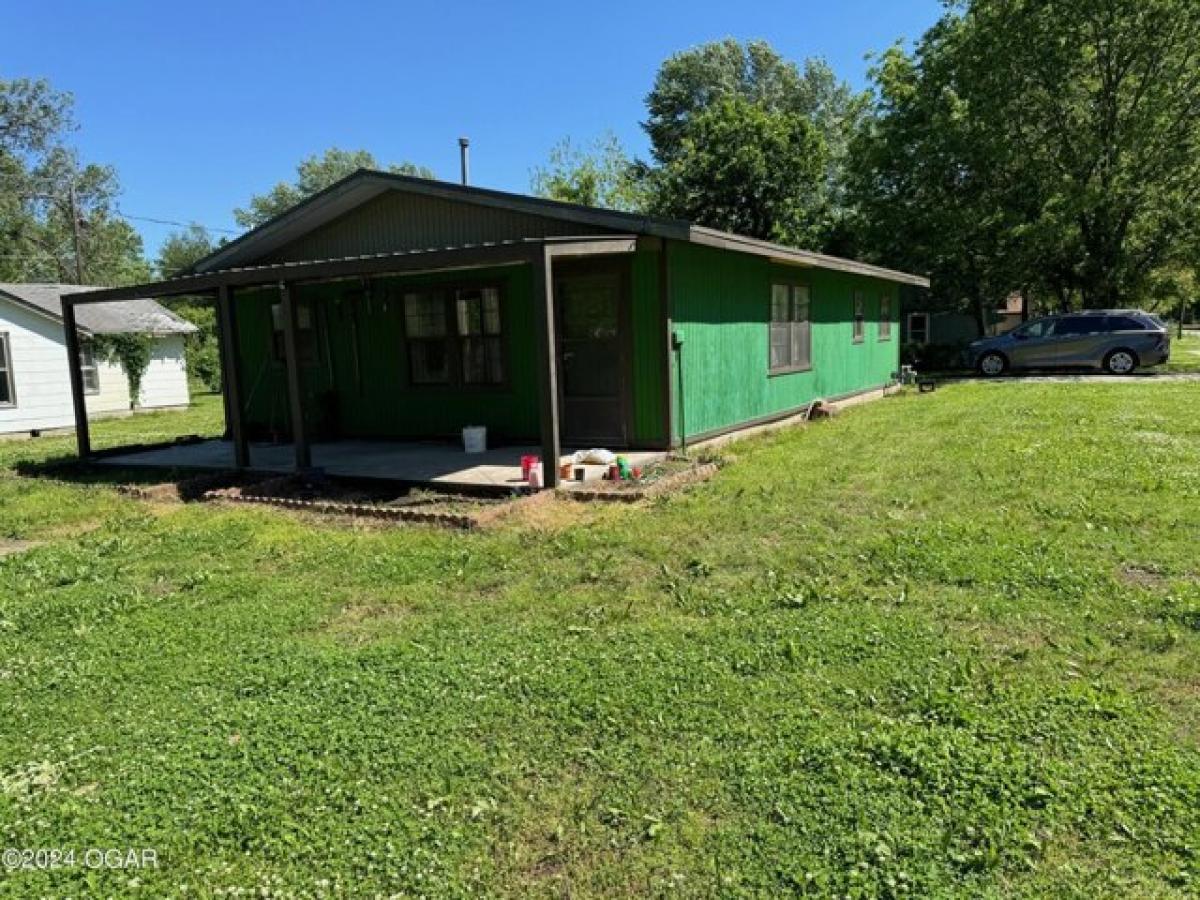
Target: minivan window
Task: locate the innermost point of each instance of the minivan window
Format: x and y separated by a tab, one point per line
1069	325
1124	323
1034	329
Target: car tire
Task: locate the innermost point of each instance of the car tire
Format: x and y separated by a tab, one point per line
992	364
1120	362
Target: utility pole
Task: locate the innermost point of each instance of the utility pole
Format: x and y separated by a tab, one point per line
75	232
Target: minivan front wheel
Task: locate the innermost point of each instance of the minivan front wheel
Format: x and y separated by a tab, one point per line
1120	362
992	364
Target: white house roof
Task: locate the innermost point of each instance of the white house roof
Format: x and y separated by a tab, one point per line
142	316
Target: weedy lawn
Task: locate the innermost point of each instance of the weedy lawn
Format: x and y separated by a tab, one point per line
945	644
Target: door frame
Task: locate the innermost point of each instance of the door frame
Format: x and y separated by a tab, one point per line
622	266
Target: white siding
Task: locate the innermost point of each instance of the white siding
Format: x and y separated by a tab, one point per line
113	398
165	382
39	366
43	387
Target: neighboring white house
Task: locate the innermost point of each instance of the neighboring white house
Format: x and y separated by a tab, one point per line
35	386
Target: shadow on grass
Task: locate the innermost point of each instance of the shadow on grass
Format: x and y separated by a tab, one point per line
184	484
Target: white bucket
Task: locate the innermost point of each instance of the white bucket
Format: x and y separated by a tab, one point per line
475	438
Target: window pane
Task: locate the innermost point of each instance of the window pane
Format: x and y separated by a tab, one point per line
429	362
885	317
491	311
781	347
495	361
469	312
804	356
801	304
424	315
779	303
6	390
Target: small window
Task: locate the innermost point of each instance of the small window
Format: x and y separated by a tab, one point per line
87	368
918	328
791	328
885	318
478	317
454	336
8	394
860	316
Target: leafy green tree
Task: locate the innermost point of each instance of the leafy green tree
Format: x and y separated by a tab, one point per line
745	169
183	249
58	216
764	96
1051	145
313	174
599	174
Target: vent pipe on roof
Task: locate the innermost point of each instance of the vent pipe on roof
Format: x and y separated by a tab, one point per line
464	154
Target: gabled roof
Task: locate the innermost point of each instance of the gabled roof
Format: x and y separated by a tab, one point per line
142	316
366	184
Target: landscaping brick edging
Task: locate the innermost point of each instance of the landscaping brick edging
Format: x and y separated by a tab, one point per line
632	495
334	507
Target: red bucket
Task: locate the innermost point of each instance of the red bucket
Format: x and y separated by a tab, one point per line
528	461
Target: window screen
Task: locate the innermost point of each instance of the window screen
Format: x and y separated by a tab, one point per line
791	328
885	318
454	336
860	315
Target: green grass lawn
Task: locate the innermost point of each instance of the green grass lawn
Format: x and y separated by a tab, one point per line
1185	352
945	644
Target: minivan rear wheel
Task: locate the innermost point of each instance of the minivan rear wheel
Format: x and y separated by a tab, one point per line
992	364
1120	362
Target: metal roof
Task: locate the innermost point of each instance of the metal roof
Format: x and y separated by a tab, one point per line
366	184
433	259
140	315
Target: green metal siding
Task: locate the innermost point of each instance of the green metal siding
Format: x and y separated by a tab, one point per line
649	349
382	403
720	304
400	221
379	402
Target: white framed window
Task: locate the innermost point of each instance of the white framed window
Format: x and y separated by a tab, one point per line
885	317
791	329
860	316
8	391
87	368
918	327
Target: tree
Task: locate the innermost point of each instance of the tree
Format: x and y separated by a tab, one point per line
1061	134
313	174
179	252
735	78
183	249
743	168
58	216
601	174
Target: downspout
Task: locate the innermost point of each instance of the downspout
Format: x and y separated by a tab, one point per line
677	346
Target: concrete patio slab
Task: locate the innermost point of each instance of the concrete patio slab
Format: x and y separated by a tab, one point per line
441	464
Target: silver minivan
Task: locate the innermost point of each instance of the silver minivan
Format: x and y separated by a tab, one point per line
1116	341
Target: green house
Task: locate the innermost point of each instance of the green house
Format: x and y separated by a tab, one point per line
394	308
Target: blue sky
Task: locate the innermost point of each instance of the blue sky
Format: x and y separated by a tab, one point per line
201	105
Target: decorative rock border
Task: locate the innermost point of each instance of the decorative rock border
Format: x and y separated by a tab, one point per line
340	508
664	485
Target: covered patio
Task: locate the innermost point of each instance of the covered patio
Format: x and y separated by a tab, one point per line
412	462
409	462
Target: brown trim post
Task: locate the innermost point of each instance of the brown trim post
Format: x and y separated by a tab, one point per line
543	304
664	297
78	400
287	298
231	377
